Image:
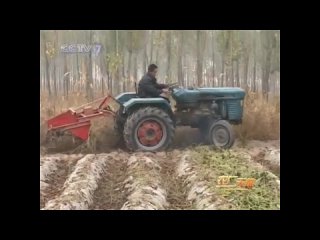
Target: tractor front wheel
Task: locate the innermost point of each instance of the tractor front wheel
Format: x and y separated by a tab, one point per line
148	129
221	134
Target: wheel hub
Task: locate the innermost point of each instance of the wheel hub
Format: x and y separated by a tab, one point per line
150	133
220	136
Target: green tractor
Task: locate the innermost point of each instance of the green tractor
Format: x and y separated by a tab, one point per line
148	124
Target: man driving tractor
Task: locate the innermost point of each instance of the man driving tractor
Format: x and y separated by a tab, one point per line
148	86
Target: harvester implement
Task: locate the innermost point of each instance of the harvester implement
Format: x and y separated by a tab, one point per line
73	126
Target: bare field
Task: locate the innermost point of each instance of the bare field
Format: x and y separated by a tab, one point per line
183	178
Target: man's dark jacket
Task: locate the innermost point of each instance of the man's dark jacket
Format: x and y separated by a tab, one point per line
148	87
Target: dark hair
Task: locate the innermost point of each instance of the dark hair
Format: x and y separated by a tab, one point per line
152	67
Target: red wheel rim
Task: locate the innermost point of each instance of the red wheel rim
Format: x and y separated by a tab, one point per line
150	133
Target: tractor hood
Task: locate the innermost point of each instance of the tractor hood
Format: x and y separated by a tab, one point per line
196	94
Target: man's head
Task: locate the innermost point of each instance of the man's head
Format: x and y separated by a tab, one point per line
152	70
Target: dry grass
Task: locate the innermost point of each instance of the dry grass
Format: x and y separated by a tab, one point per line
261	119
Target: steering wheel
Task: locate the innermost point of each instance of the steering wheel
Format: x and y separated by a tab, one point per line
173	85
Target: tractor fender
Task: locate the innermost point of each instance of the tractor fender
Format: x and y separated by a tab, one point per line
135	103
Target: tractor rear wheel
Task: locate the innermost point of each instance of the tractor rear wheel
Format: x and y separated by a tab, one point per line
148	129
221	134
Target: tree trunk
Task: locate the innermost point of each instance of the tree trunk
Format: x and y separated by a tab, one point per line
158	47
254	74
54	63
266	73
135	68
232	74
144	63
245	70
254	65
41	73
65	77
102	86
237	73
109	79
129	69
46	64
151	48
168	75
213	69
145	58
199	59
180	70
109	85
89	85
78	69
54	78
185	70
123	66
267	43
117	43
222	70
117	78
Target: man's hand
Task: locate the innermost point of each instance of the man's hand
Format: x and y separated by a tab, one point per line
165	93
165	90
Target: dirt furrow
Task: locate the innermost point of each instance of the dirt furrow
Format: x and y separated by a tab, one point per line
54	170
110	194
80	185
176	189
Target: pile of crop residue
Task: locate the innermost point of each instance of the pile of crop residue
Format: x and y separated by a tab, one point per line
210	164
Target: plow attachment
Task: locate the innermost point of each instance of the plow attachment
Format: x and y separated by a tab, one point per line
71	128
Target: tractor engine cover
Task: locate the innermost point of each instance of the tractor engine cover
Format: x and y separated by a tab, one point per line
225	101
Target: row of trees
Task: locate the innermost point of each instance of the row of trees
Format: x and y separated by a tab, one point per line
247	59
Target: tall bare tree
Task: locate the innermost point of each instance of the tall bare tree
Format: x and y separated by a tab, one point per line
267	42
200	50
168	75
254	64
89	81
213	56
46	54
180	50
151	46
